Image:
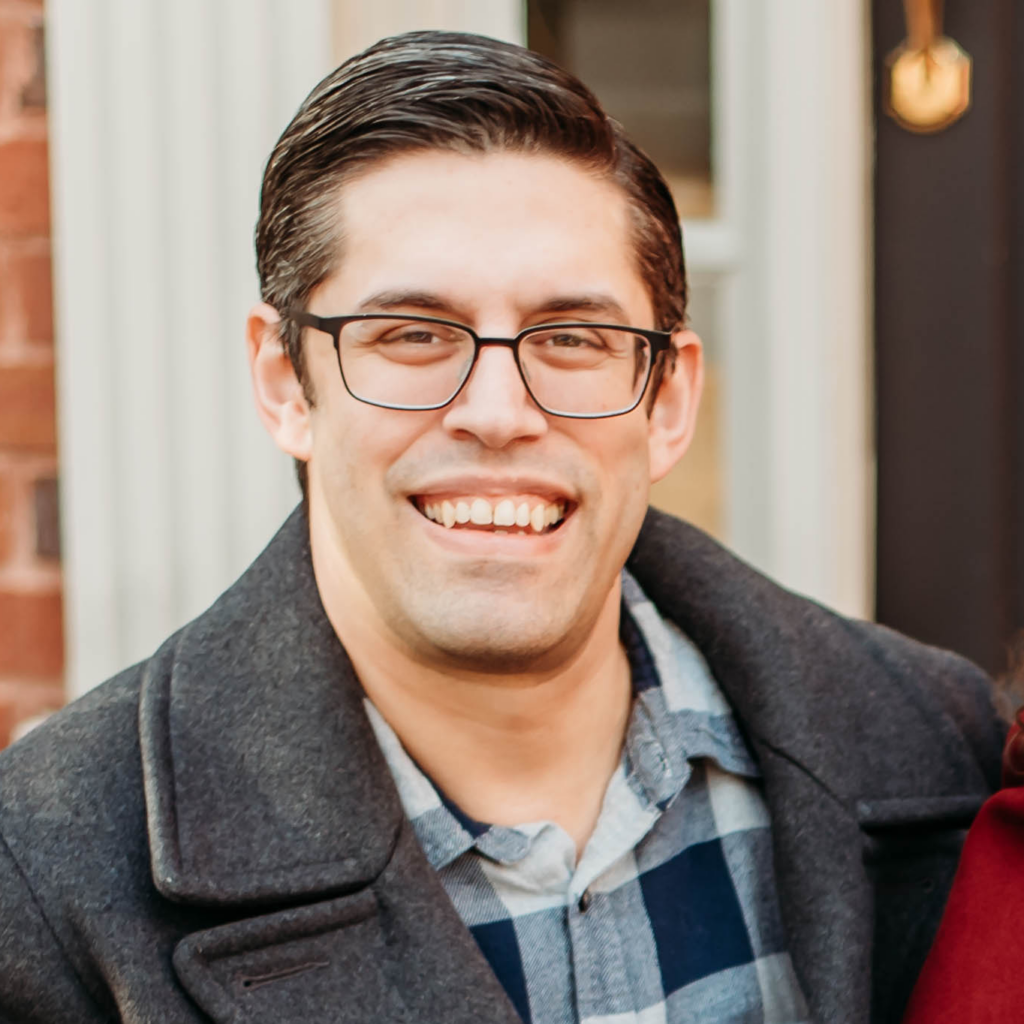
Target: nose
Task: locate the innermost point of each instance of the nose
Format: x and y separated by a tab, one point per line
494	406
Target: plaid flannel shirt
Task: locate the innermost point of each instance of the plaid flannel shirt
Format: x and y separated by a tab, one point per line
670	914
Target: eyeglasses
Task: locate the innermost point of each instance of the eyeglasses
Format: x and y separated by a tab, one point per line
416	363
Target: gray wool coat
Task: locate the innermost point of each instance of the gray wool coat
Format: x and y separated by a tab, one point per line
214	835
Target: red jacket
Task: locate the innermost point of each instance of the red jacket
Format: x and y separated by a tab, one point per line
972	975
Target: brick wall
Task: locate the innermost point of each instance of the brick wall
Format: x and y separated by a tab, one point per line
31	640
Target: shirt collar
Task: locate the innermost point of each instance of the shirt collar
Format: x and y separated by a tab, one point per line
679	715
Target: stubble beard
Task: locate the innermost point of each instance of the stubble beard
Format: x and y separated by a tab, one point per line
496	620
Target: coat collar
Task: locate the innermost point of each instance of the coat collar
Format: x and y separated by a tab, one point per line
813	687
263	780
265	784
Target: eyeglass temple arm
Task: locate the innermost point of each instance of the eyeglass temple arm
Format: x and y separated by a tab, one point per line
304	319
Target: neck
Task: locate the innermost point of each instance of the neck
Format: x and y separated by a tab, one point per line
507	748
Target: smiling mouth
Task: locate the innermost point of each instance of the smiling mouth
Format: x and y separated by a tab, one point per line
525	516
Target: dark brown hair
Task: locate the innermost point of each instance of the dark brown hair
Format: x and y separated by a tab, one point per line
451	91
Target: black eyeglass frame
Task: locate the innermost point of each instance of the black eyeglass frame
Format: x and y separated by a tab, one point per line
660	341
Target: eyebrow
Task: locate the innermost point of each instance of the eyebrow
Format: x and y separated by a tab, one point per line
591	304
389	300
594	305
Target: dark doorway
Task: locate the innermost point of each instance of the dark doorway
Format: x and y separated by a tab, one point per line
949	347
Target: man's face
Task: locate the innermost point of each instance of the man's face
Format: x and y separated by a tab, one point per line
498	242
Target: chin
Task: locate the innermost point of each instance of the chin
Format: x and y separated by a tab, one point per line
516	641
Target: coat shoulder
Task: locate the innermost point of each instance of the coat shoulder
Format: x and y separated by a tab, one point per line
71	834
71	794
940	683
93	735
804	675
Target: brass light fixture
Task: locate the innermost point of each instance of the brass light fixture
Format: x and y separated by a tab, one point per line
928	76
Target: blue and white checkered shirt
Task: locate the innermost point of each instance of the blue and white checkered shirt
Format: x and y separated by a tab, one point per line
670	914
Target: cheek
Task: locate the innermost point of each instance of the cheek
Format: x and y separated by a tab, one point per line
356	448
619	447
340	461
619	451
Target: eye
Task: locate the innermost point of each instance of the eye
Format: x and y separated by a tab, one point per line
567	339
418	335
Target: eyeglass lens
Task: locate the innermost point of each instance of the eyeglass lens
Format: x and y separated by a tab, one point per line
575	370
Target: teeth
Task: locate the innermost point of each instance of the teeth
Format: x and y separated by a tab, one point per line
505	513
480	512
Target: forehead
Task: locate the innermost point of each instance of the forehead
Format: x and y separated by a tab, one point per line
508	227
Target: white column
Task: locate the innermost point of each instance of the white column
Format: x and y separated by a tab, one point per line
162	115
798	355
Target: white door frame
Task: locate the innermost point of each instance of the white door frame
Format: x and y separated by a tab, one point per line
792	99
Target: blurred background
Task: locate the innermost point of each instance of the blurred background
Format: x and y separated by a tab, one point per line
859	288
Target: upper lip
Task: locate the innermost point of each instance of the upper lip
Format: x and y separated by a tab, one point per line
494	487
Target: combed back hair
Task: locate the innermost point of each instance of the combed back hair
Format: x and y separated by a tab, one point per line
456	92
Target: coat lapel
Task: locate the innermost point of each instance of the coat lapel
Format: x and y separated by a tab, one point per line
269	803
263	779
393	952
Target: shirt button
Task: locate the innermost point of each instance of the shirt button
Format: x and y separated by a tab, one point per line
584	903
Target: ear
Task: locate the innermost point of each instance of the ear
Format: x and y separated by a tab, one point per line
280	401
673	416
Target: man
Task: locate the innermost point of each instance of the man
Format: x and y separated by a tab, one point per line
437	757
